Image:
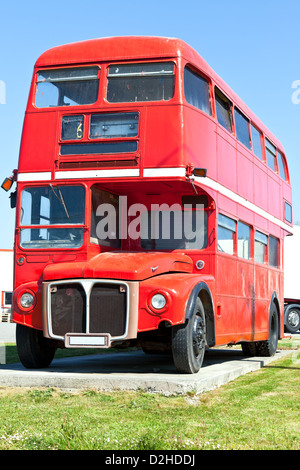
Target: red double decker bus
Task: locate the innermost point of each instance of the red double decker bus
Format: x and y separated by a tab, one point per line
151	207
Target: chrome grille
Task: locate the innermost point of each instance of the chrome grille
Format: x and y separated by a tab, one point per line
68	309
88	306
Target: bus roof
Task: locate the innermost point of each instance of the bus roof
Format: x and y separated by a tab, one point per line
118	48
143	47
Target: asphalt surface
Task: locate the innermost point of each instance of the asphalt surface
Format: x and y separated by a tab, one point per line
131	371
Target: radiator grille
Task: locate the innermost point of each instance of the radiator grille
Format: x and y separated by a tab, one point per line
108	309
68	309
106	312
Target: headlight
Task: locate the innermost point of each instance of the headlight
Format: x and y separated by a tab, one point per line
158	301
26	300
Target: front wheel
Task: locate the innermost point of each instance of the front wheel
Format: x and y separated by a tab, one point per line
189	340
35	351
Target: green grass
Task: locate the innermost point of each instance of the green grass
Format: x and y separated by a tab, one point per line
260	410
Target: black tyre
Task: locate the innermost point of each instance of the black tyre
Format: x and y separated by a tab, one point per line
292	319
35	351
269	347
189	340
249	348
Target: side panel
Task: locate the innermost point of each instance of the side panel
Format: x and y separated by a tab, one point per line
226	292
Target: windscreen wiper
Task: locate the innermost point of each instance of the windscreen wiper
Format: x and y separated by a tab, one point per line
61	199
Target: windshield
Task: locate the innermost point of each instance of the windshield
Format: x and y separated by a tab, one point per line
67	87
44	209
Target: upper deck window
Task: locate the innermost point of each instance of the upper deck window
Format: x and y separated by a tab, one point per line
256	142
223	106
281	165
67	87
141	82
196	90
271	155
242	128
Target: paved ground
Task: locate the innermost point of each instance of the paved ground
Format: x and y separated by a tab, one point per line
7	332
133	371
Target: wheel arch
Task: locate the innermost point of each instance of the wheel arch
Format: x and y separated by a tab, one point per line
275	301
202	291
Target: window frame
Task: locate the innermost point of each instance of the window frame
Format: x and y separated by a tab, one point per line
221	97
282	167
49	225
262	239
141	75
239	223
205	80
228	224
261	156
270	154
271	253
288	210
68	79
244	118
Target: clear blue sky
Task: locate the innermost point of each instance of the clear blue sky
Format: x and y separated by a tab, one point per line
253	46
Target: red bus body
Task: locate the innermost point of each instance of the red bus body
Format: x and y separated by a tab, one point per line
159	163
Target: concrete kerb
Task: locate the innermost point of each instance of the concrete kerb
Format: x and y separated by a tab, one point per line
135	371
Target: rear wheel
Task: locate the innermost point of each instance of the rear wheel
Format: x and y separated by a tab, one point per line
269	347
35	351
188	342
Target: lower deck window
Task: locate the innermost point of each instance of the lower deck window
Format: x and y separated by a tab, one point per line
274	252
226	234
260	247
243	241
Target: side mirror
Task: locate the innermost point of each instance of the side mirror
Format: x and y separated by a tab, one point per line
13	199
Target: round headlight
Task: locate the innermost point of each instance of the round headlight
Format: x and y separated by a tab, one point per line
26	300
158	301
